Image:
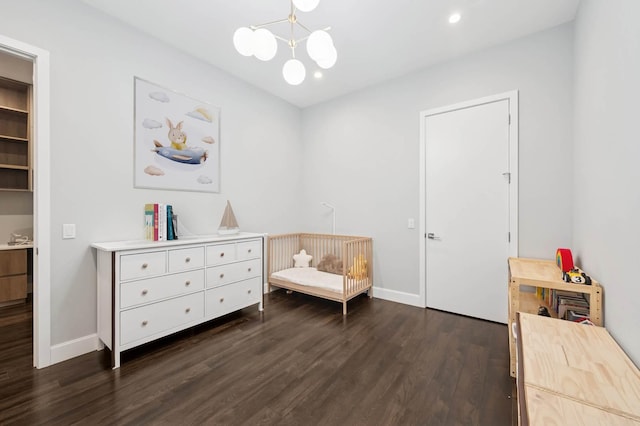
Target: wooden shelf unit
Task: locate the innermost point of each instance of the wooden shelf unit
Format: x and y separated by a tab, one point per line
15	131
13	275
545	274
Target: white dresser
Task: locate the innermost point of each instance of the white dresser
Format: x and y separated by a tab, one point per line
150	289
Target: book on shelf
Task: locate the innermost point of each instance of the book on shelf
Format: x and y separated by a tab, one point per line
148	222
159	222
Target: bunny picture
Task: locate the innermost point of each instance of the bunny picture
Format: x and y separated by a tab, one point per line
177	137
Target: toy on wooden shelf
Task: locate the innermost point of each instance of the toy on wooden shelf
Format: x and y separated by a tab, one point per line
576	276
564	259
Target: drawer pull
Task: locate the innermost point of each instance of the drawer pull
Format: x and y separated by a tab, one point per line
249	270
144	323
145	265
221	275
248	291
187	260
222	254
249	250
221	299
144	292
187	283
187	310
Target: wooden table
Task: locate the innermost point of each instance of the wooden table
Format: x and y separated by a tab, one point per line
571	373
545	274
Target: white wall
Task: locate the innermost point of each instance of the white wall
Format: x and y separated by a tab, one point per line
607	154
93	62
361	151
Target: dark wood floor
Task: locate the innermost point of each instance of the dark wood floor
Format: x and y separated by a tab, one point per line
299	363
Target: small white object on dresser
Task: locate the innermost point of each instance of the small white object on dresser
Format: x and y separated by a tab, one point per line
150	289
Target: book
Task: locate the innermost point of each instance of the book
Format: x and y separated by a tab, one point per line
155	222
170	233
162	222
148	222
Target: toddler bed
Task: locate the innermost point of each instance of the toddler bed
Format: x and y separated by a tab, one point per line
334	267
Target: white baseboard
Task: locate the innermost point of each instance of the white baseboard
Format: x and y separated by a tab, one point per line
73	348
398	296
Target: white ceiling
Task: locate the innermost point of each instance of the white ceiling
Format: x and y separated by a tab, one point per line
376	40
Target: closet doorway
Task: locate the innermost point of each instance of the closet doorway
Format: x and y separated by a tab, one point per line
40	160
469	205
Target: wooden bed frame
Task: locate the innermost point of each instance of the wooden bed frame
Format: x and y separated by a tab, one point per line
281	249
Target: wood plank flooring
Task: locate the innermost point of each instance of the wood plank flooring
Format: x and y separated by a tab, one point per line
298	363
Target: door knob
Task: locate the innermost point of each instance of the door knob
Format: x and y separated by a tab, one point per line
432	236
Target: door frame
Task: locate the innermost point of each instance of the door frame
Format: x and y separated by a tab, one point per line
512	97
41	196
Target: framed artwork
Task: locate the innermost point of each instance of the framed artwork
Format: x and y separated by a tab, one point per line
176	140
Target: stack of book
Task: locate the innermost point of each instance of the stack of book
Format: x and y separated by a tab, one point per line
569	305
159	222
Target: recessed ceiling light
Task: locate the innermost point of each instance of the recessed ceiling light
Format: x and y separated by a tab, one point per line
454	18
317	74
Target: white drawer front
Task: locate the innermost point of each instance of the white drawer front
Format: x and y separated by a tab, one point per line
185	259
221	254
143	265
222	275
250	269
226	274
249	250
231	297
152	289
139	323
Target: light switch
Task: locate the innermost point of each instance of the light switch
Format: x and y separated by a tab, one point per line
411	223
68	231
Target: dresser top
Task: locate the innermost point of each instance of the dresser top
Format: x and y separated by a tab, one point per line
15	247
190	239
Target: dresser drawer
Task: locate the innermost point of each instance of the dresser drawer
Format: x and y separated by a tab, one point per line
221	254
143	265
226	274
249	250
13	262
185	259
134	293
13	288
139	323
231	297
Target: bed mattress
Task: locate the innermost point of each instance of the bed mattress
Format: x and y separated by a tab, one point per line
311	277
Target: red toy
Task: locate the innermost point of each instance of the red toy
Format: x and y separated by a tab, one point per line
564	259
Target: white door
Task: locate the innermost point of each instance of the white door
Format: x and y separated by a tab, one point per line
467	210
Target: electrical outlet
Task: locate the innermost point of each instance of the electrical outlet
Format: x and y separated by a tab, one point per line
411	223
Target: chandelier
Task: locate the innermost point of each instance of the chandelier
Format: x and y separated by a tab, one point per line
258	41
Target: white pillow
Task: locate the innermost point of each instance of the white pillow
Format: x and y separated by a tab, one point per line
302	259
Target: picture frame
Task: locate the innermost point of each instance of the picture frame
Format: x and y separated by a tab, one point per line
176	140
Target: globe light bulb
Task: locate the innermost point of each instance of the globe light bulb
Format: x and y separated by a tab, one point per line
305	5
243	41
329	60
265	45
294	72
319	45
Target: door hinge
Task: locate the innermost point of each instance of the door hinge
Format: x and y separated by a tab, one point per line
508	176
509	237
509	118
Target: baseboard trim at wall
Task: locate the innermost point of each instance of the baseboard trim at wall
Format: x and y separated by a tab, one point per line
73	348
398	296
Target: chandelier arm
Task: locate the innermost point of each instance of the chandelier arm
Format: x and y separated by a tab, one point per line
281	38
305	28
279	21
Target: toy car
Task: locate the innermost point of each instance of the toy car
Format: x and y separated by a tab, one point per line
576	276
